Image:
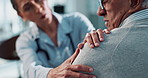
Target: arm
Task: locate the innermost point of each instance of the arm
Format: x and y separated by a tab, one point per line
67	70
33	67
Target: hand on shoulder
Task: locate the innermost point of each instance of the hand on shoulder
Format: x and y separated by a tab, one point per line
67	70
94	38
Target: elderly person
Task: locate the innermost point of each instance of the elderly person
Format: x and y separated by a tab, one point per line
44	47
124	53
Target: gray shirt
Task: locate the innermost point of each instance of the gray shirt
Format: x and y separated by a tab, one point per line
124	53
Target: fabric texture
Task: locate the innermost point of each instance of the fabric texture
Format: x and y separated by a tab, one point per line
37	65
124	53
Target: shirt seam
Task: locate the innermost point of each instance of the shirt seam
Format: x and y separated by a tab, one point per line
118	46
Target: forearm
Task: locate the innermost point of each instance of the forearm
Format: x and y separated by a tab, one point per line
35	71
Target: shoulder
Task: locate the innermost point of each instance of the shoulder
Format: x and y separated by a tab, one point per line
112	41
120	48
29	35
25	41
79	20
126	37
75	15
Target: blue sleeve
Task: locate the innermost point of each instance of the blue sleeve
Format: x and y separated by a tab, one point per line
32	66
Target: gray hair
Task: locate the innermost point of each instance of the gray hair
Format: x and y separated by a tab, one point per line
145	4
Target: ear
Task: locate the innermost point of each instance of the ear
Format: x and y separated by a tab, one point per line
135	5
24	19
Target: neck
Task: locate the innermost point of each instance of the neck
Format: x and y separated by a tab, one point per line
50	26
130	12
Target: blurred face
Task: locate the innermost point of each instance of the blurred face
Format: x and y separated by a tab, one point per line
34	10
114	12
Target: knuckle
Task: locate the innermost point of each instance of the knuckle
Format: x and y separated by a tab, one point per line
79	45
88	36
100	33
65	73
106	29
99	30
78	67
68	67
94	33
67	61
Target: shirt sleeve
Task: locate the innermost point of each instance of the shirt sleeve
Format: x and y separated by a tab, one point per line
33	67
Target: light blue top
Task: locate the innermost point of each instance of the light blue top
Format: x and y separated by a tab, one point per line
76	24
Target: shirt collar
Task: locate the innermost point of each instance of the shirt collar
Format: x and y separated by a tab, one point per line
63	24
63	29
135	16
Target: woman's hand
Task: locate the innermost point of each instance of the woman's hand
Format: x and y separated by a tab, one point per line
67	70
94	38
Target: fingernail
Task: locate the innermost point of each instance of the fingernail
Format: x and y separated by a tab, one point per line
101	39
91	69
96	44
91	45
94	77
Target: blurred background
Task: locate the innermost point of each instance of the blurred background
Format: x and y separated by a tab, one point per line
11	26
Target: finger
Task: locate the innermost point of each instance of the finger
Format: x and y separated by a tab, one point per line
80	45
106	31
95	38
80	75
72	58
89	40
85	39
101	35
72	74
82	68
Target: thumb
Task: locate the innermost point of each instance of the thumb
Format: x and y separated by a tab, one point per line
73	57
